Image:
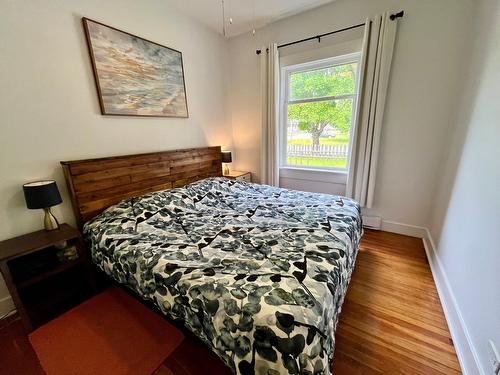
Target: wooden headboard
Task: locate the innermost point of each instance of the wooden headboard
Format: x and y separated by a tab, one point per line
96	184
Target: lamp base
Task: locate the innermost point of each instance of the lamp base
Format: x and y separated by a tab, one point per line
49	221
225	171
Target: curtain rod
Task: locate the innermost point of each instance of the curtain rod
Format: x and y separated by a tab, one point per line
392	17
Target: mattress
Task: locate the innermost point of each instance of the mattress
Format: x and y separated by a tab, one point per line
258	273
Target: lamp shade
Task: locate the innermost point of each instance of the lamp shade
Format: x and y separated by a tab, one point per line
226	157
41	194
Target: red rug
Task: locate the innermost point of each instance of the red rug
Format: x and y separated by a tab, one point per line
111	333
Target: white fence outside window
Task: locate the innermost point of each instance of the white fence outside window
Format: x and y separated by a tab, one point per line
320	151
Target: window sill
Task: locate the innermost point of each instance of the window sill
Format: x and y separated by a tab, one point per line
310	174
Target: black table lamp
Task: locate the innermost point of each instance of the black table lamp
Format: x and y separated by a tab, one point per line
43	194
226	158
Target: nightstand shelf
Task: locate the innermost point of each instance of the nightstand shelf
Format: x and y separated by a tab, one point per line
42	282
61	268
240	176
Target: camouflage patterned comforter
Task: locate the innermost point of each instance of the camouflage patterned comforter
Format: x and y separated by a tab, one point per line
258	273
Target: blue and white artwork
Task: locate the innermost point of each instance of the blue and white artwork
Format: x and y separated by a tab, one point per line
135	76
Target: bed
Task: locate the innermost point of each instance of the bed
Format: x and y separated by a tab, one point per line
257	273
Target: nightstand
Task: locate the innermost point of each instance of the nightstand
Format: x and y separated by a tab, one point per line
46	272
240	176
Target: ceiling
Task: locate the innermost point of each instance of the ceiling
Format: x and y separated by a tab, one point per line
246	14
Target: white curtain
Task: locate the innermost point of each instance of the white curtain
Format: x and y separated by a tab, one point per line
269	169
378	46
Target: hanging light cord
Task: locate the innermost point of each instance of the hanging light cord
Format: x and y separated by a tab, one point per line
253	17
223	20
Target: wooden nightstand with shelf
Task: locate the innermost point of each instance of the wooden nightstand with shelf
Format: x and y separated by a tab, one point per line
46	272
239	175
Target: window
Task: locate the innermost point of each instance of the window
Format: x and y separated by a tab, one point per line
318	104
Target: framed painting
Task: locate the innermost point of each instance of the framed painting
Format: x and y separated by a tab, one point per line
134	76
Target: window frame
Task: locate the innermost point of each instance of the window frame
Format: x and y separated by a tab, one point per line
286	72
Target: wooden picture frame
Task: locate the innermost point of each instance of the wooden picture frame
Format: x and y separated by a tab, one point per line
135	76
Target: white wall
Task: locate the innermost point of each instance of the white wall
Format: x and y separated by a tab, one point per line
48	103
421	98
466	220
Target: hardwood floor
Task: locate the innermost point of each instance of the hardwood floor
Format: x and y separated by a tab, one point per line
391	322
16	354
